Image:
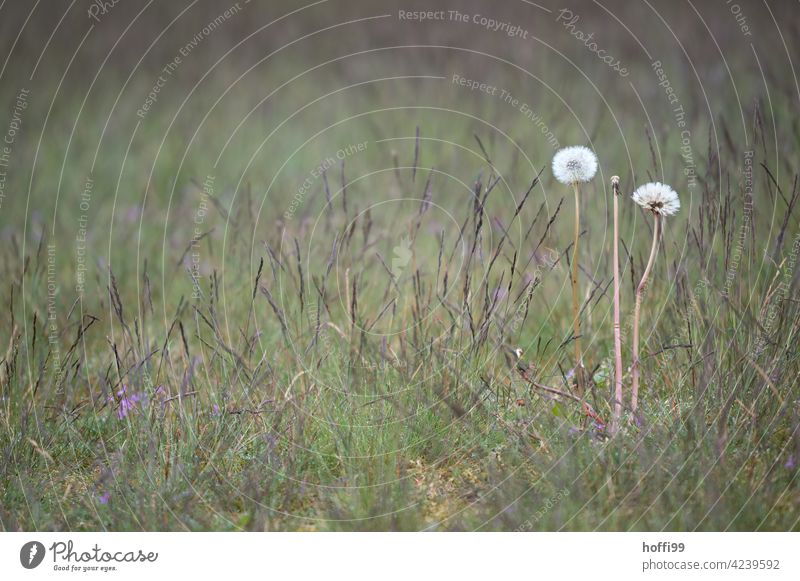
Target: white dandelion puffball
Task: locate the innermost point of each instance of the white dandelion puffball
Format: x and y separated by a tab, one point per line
658	198
574	164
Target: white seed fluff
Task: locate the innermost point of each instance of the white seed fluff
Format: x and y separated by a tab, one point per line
657	198
574	164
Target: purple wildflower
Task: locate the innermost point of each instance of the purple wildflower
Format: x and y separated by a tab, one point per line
104	498
128	403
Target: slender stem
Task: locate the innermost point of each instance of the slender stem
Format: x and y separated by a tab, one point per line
617	328
636	309
576	321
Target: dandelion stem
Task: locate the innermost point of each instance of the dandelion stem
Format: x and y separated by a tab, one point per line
636	312
617	328
576	323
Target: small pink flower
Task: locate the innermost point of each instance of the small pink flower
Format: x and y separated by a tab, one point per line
127	403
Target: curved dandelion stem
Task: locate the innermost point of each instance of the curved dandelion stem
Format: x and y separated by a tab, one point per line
636	312
617	328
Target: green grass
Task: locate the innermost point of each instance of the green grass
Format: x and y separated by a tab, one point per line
399	409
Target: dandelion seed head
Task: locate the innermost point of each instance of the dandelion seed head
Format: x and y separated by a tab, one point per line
657	198
574	164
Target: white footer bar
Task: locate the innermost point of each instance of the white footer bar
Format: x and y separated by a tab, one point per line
355	556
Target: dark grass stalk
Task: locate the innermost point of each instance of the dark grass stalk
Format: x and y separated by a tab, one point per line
302	290
279	314
329	205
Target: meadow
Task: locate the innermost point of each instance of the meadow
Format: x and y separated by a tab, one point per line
281	285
